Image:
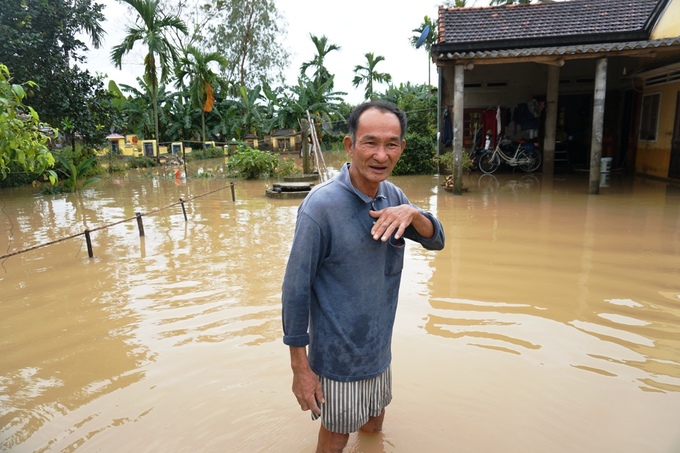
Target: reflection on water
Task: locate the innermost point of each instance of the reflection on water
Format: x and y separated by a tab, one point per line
551	321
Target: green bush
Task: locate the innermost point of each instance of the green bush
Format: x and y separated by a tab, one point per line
417	158
207	153
22	143
115	167
74	177
286	167
446	161
18	176
66	156
141	162
421	117
252	163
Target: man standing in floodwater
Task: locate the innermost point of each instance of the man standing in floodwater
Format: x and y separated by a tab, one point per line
342	280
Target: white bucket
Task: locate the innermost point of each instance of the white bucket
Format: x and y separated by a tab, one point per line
605	164
604	179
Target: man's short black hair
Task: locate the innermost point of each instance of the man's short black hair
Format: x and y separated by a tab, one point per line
387	107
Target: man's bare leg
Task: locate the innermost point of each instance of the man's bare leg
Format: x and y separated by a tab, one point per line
374	424
330	442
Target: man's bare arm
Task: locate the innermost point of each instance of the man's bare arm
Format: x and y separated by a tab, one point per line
306	386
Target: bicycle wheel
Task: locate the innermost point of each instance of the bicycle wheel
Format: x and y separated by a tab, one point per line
533	160
489	163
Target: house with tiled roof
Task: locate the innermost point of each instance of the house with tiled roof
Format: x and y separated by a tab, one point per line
590	79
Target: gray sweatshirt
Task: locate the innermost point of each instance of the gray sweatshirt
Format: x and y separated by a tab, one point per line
341	287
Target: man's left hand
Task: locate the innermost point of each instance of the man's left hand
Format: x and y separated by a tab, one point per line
389	220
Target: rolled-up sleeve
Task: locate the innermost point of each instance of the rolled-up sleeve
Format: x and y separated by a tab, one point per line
297	290
436	242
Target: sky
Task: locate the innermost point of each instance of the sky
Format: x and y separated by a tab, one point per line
383	27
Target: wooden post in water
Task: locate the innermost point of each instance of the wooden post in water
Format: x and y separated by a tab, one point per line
140	225
184	211
233	194
304	146
89	244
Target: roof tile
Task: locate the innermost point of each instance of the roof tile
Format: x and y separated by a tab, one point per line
574	21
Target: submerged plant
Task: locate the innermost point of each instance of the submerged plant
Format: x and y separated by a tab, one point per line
75	175
252	163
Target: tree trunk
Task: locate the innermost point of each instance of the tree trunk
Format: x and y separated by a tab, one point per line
203	125
155	119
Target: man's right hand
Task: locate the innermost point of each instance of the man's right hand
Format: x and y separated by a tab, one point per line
306	385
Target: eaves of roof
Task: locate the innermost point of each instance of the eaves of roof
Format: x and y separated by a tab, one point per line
284	133
560	51
573	22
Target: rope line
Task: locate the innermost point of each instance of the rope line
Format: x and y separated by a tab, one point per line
101	227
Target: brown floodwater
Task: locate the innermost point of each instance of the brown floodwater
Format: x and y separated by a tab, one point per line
550	322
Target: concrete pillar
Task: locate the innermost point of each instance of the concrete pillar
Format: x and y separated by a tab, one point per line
458	129
440	93
598	125
551	120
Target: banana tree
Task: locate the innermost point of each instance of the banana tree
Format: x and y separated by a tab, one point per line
195	65
75	174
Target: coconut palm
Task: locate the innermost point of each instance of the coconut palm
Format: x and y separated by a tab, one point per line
369	76
150	29
85	18
321	75
195	65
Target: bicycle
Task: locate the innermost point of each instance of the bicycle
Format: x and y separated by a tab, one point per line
525	156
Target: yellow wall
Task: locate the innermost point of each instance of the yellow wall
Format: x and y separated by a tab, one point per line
653	158
152	144
669	23
105	151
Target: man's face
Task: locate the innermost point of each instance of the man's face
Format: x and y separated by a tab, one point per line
377	149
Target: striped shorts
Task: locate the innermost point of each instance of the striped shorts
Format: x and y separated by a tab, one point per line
349	405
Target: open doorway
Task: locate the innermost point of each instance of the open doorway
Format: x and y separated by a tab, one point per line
674	165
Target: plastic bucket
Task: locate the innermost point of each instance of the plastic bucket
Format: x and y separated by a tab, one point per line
604	179
605	164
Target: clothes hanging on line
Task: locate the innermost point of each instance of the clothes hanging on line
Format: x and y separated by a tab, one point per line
447	135
493	124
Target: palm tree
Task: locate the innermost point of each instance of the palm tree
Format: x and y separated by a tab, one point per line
86	19
196	66
321	75
151	32
430	38
368	75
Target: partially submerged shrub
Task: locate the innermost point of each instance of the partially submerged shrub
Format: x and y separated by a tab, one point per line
445	160
252	163
207	153
287	167
141	162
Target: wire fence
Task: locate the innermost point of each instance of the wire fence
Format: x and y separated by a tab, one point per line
138	217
